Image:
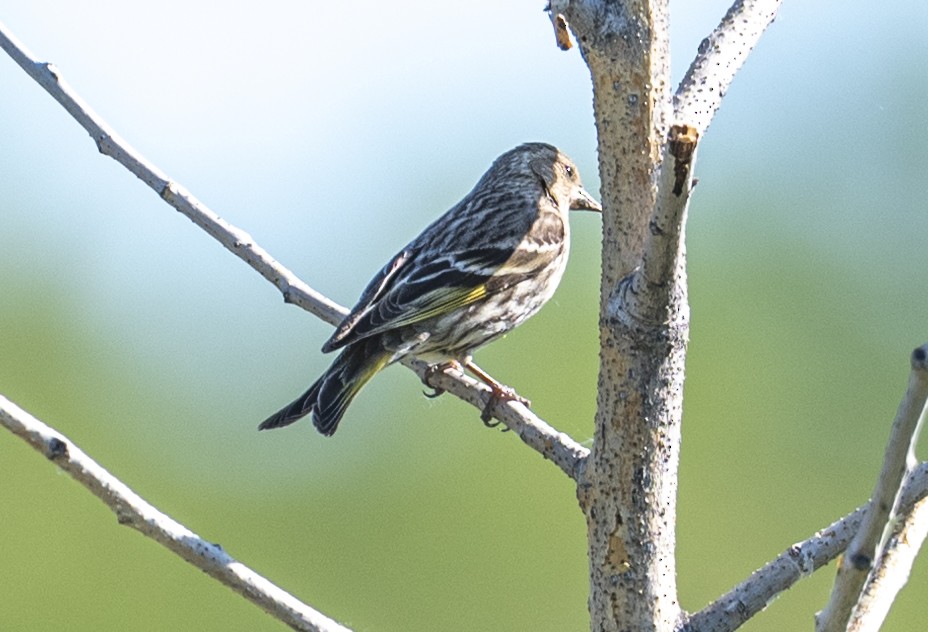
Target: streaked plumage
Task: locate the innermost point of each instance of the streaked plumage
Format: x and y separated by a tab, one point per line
476	272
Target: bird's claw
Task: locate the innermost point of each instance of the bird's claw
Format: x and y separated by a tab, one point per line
436	392
498	396
499	393
430	373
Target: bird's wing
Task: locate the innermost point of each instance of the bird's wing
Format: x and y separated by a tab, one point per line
374	291
408	290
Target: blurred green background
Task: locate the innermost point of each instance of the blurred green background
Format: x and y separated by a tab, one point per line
333	132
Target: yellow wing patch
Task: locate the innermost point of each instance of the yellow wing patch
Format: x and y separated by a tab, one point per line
441	302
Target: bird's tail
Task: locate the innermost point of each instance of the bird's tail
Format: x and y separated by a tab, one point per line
330	395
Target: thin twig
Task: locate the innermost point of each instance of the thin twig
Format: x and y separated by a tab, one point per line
720	55
111	144
731	610
898	458
133	511
537	434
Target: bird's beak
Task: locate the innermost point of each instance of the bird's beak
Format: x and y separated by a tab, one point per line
583	201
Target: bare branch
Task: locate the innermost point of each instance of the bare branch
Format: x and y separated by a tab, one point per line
111	144
891	571
732	609
133	511
553	445
897	460
720	56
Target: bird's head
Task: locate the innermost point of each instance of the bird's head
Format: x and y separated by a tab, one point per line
558	175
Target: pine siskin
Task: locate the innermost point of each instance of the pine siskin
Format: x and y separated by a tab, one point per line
476	272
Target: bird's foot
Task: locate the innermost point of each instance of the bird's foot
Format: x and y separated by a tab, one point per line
439	367
499	393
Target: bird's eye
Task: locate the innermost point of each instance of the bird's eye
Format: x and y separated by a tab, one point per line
569	170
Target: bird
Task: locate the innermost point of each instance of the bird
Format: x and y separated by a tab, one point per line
484	267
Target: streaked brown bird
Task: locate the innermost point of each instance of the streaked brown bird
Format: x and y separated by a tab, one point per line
476	272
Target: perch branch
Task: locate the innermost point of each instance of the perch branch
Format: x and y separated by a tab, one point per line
537	434
133	511
555	446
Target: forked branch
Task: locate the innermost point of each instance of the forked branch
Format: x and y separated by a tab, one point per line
898	460
732	609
